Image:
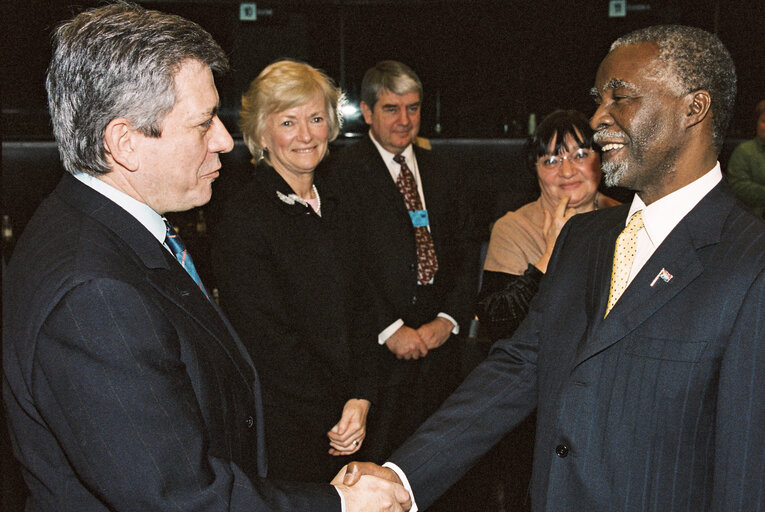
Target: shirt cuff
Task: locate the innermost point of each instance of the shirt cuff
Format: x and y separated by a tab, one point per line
342	499
456	328
405	481
389	331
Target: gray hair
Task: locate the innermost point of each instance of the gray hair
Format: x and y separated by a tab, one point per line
388	75
695	59
118	60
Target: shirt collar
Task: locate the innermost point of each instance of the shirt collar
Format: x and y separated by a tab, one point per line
142	212
387	156
661	217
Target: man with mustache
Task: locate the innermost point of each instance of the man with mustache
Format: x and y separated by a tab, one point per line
644	349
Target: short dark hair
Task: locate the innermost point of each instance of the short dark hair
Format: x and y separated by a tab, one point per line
698	60
118	60
555	127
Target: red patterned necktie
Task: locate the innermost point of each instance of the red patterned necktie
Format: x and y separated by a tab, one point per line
427	264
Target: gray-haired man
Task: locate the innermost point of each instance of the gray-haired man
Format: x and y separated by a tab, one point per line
126	388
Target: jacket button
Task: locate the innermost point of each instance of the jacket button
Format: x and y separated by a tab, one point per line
561	450
413	267
414	299
250	422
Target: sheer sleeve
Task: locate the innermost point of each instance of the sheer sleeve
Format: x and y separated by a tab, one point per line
504	301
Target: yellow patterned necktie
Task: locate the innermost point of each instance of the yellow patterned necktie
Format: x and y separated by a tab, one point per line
624	255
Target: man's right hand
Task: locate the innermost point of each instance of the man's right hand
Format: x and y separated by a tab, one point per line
355	470
406	343
370	488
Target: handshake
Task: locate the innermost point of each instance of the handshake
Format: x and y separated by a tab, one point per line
368	487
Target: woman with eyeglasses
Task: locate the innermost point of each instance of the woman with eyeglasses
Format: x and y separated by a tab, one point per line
566	162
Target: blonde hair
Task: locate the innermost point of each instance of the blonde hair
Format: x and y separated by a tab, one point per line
281	85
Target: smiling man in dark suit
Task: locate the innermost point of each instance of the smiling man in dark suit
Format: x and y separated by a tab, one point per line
126	388
412	230
650	384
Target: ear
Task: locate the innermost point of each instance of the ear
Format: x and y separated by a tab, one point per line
120	140
366	112
698	103
262	142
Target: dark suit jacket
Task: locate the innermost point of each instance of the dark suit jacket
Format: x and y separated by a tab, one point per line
385	236
661	406
293	295
125	387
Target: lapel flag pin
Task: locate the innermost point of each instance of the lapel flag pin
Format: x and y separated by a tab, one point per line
663	275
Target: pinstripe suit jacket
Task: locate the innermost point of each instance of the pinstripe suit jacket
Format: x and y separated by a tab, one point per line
661	406
126	389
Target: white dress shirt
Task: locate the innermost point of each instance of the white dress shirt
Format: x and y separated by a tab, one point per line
142	212
395	169
661	217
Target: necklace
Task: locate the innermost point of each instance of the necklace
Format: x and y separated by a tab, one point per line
318	199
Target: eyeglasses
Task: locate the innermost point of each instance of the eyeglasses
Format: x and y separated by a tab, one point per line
578	157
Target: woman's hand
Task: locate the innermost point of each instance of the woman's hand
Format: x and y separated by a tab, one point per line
552	226
347	435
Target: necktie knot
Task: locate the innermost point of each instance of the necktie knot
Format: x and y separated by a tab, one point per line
400	159
624	256
635	224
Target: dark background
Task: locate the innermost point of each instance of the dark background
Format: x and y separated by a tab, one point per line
490	63
486	67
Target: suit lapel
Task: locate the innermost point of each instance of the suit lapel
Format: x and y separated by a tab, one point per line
378	176
599	274
640	300
646	294
162	271
172	281
178	287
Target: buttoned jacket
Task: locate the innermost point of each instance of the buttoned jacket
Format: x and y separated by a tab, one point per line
126	389
659	406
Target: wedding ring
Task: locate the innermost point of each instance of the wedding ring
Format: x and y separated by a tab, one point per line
355	442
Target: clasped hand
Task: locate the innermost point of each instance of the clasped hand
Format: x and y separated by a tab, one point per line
346	437
368	487
408	343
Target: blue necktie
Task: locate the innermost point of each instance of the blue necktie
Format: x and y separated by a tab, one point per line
174	242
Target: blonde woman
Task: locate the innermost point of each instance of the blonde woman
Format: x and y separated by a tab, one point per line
287	282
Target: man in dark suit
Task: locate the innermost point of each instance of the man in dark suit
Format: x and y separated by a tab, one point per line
412	232
654	399
125	386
